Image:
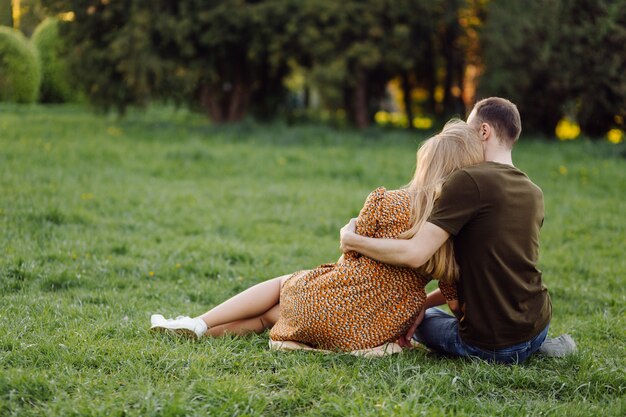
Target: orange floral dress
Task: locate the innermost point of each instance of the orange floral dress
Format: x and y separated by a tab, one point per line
357	303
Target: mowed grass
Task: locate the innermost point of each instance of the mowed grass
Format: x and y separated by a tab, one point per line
105	221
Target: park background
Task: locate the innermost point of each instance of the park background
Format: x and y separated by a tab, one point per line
160	156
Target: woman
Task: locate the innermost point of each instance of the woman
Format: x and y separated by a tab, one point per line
356	303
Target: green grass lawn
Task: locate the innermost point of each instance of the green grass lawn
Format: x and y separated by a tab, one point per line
105	221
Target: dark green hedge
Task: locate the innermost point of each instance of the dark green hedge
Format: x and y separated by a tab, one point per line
20	69
56	84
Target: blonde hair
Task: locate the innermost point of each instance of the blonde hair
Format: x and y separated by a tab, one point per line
456	146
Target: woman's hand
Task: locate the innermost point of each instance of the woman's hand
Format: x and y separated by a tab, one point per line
454	307
345	234
405	341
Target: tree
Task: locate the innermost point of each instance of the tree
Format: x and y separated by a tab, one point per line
230	57
520	61
357	47
454	57
595	33
556	58
209	54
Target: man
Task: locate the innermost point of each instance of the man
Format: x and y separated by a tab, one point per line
494	213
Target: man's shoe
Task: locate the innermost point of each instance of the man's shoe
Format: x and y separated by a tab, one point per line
181	326
558	347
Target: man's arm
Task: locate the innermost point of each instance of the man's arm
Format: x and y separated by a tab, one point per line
411	253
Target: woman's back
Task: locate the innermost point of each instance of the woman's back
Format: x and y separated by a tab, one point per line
357	303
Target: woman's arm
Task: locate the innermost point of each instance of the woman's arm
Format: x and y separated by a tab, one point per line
411	253
455	307
433	299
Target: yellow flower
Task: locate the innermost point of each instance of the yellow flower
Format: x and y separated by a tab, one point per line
615	136
114	131
399	119
567	130
151	273
422	122
87	196
177	265
563	170
381	117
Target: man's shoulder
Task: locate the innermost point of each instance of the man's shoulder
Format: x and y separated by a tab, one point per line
465	176
493	172
492	178
487	168
473	172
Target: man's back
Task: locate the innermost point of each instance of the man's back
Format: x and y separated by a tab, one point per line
495	213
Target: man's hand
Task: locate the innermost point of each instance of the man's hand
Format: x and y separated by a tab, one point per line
405	341
345	234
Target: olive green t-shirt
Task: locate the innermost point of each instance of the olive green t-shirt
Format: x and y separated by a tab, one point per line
494	213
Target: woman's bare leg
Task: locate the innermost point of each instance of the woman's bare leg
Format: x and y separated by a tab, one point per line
252	325
250	304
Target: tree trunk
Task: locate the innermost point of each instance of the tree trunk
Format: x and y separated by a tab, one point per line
453	103
408	101
307	97
209	100
361	118
595	121
238	101
226	102
430	78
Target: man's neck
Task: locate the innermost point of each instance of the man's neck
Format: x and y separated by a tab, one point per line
497	151
501	157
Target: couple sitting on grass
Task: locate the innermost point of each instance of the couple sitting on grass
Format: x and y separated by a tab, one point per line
468	219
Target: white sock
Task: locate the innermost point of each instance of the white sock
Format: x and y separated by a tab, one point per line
200	324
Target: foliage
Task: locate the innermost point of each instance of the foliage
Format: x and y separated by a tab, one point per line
356	47
188	52
231	57
242	56
106	221
31	14
20	69
6	13
520	61
557	57
56	84
597	85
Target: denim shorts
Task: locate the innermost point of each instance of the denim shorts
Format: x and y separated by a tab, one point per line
439	331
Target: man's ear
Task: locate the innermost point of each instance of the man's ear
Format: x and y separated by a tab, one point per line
485	131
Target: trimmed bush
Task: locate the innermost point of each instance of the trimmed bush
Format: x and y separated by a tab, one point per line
20	69
56	86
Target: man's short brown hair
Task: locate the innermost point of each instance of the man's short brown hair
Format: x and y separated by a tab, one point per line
502	116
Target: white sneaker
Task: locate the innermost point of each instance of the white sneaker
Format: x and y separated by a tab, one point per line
558	347
181	326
